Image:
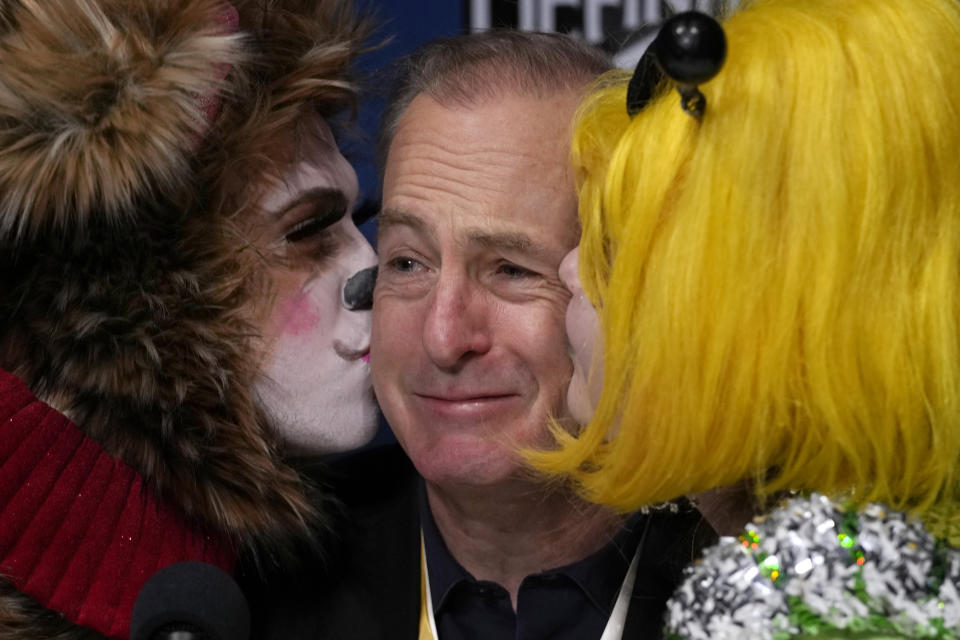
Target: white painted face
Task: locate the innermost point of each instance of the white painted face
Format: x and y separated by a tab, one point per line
583	333
315	385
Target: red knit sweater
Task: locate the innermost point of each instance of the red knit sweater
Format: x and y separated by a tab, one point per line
80	532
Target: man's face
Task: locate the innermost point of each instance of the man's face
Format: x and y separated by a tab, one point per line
468	351
315	385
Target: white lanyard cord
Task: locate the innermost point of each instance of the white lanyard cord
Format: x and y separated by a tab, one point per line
618	618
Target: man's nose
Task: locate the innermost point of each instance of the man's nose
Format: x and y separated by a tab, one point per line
456	327
358	292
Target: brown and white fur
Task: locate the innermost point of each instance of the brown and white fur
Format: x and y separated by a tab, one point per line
125	278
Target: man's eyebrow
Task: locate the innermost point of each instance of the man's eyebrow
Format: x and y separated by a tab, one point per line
393	218
511	241
397	218
334	199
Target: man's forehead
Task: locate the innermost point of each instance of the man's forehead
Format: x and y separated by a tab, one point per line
478	228
496	173
537	127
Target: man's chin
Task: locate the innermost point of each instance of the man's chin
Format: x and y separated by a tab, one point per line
464	460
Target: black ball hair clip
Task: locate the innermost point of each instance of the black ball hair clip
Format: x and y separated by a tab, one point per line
689	49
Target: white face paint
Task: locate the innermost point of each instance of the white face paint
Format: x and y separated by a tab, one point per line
315	384
583	333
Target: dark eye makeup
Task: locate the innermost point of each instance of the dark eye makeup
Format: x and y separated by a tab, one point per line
312	212
311	227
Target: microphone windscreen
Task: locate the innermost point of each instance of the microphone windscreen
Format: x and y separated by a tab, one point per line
193	596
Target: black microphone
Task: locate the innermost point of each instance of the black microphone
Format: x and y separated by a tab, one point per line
190	601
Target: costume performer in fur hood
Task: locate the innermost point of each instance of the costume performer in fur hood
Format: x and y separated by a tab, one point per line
770	268
177	300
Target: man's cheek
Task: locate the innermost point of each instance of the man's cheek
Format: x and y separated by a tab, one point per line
401	288
393	329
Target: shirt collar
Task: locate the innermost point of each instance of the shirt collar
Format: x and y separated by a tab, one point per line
599	575
443	570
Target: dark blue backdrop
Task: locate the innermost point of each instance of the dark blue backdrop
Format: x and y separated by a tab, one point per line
622	27
404	25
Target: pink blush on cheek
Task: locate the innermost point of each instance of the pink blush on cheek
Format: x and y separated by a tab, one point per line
298	315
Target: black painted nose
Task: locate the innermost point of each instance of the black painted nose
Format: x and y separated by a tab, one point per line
358	292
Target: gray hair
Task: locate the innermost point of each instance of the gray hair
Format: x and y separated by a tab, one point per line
465	69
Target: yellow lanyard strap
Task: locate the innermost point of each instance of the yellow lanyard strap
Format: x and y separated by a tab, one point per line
428	626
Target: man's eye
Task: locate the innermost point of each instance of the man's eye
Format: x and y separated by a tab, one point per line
513	271
309	228
404	264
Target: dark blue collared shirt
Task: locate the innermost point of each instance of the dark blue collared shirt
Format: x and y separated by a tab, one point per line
568	603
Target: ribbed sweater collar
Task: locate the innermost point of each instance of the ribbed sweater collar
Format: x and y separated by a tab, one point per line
80	531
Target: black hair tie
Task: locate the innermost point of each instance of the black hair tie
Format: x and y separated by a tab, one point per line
689	49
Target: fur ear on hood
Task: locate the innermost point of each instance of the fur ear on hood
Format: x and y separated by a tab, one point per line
101	104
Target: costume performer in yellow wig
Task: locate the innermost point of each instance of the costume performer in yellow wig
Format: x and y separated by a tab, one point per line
774	261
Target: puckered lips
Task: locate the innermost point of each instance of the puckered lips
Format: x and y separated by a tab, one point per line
348	353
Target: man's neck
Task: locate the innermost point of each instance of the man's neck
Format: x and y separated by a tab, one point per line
506	533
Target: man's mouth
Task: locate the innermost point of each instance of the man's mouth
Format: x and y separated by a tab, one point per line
470	406
465	397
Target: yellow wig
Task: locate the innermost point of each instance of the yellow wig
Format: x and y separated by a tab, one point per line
779	284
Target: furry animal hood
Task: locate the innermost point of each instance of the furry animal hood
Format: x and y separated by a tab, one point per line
132	135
